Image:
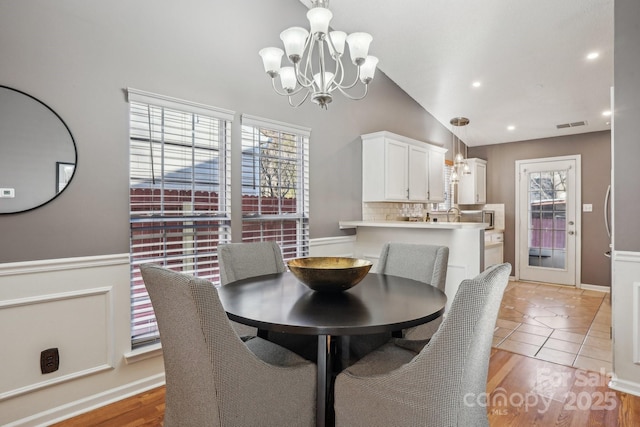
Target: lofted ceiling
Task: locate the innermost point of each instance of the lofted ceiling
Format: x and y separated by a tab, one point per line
530	57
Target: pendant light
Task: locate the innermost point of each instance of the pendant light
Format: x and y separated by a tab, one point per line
460	165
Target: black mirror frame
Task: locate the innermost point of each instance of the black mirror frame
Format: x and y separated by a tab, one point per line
75	151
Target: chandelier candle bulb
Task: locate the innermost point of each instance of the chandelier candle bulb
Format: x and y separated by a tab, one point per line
338	39
288	78
321	85
294	40
271	58
368	69
319	18
359	46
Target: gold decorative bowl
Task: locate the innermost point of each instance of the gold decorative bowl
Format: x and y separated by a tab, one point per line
329	274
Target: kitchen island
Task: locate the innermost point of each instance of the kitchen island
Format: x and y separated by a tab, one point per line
464	239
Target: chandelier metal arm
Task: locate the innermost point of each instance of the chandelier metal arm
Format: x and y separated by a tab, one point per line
285	93
355	98
290	99
355	82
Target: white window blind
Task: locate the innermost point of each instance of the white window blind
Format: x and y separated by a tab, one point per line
275	185
179	194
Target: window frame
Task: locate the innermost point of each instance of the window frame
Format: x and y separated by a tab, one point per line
170	224
290	249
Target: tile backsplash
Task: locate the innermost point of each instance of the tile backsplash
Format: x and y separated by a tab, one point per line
388	211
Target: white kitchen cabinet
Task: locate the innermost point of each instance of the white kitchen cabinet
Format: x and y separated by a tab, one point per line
436	175
493	248
472	188
400	169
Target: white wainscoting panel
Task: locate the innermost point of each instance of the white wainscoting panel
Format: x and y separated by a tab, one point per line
625	307
37	323
82	307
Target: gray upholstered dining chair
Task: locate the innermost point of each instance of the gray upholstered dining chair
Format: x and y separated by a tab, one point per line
421	262
212	377
439	384
239	261
244	260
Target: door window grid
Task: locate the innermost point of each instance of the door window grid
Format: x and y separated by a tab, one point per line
547	219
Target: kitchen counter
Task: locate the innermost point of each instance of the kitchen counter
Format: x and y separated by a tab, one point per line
418	224
465	241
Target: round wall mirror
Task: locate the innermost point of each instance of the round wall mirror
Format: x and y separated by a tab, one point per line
37	152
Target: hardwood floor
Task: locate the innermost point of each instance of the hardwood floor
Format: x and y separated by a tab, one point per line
521	391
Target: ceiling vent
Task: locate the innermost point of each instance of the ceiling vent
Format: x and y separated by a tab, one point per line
571	125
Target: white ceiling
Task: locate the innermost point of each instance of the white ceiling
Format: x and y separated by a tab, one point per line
529	55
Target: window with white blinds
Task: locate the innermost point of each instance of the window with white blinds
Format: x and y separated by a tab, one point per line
179	193
275	185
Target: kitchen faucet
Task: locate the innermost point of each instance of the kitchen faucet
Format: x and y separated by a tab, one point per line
456	218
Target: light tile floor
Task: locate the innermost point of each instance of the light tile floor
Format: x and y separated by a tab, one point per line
558	324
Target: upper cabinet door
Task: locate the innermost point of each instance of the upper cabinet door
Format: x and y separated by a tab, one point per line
396	170
472	188
418	174
436	176
481	195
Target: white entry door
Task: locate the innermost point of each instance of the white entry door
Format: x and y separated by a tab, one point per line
548	221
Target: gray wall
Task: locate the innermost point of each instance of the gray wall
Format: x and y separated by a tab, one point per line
78	55
595	151
626	134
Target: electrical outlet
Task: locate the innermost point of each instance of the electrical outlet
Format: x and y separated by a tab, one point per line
587	207
9	193
49	360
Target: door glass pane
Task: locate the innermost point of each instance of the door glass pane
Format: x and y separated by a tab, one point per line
547	219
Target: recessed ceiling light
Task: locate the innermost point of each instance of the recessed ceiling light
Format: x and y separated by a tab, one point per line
606	113
476	84
511	127
593	55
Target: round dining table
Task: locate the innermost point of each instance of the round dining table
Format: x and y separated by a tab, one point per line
378	304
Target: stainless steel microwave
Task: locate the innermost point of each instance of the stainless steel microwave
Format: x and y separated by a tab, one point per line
489	217
479	216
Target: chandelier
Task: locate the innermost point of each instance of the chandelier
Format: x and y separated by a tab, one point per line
460	165
307	51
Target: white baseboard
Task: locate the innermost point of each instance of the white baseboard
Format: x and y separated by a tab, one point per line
597	288
625	386
90	403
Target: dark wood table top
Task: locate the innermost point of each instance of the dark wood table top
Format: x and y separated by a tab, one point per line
379	303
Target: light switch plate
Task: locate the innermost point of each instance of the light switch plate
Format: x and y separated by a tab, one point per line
587	207
9	193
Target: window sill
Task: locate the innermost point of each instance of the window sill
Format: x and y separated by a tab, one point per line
143	353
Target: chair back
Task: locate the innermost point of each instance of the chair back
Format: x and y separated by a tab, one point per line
425	263
190	386
215	379
243	260
461	349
